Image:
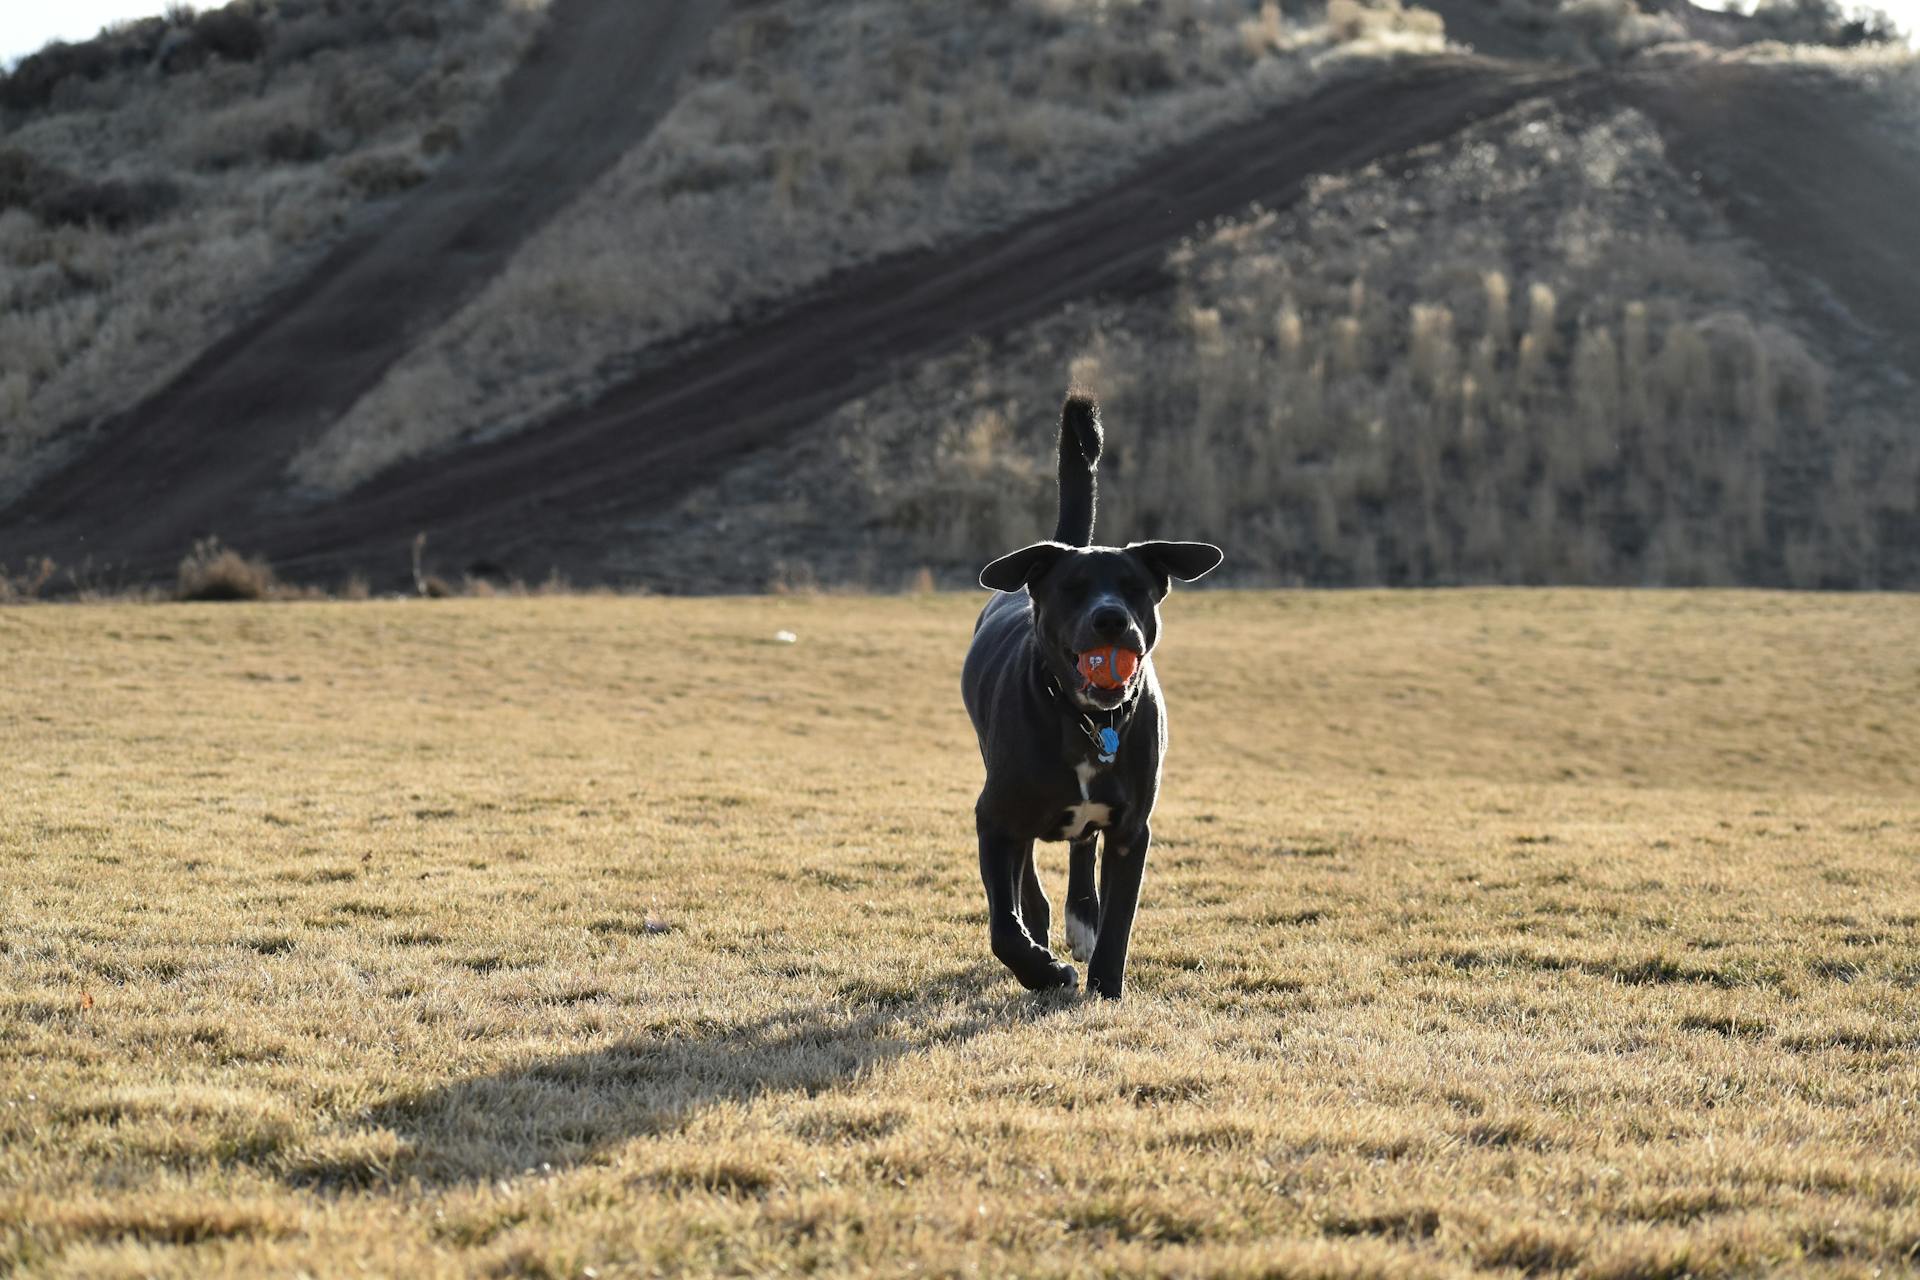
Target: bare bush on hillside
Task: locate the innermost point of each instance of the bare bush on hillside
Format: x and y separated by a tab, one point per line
1610	31
158	181
1594	30
1824	22
27	582
213	571
818	135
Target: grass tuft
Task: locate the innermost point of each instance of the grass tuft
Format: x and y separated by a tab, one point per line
212	571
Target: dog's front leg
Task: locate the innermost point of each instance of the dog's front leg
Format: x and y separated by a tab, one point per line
1035	911
1083	900
1002	859
1122	863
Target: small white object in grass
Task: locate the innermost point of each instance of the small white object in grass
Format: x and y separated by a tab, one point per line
785	637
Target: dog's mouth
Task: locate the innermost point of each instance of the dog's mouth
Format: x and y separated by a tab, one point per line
1092	695
1105	699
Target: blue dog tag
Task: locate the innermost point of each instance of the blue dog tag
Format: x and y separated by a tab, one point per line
1109	744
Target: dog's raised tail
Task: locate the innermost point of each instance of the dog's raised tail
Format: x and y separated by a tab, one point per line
1079	458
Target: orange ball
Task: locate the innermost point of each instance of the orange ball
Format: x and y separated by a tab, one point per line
1108	668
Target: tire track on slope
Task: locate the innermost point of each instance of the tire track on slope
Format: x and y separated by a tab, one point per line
208	451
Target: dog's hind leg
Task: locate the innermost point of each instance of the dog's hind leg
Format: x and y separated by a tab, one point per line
1035	911
1083	900
1001	859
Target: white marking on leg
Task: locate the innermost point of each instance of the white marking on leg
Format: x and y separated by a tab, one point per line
1080	937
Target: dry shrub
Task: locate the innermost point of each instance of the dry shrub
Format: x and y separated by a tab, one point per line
1383	21
1825	22
23	177
275	127
235	33
1452	455
172	44
993	494
16	588
383	173
1594	30
1611	30
59	198
32	83
291	143
114	203
212	571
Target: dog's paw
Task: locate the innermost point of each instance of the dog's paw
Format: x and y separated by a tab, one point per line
1080	937
1056	975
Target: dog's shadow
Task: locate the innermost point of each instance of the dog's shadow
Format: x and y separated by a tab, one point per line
559	1111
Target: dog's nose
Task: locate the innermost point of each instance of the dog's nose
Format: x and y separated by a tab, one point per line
1109	621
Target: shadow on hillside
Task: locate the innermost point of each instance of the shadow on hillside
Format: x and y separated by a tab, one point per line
560	1111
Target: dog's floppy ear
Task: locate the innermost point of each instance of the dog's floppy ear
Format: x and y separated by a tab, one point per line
1183	560
1016	569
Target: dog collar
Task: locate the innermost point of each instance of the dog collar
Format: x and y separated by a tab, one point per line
1105	738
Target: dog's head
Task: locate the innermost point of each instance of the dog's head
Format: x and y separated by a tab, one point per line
1091	597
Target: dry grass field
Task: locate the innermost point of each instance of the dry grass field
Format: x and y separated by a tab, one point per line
1485	931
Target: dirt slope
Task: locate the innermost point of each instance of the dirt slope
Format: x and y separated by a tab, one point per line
1794	162
529	502
209	450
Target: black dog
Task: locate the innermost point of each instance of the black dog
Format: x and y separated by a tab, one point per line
1065	759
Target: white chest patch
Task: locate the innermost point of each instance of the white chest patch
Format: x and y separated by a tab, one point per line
1083	817
1087	816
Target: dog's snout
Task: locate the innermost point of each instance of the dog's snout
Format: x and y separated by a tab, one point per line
1109	621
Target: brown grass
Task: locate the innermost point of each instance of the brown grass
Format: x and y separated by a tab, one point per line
1562	932
820	134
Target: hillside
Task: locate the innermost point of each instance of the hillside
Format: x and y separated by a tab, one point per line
723	350
1540	351
159	184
